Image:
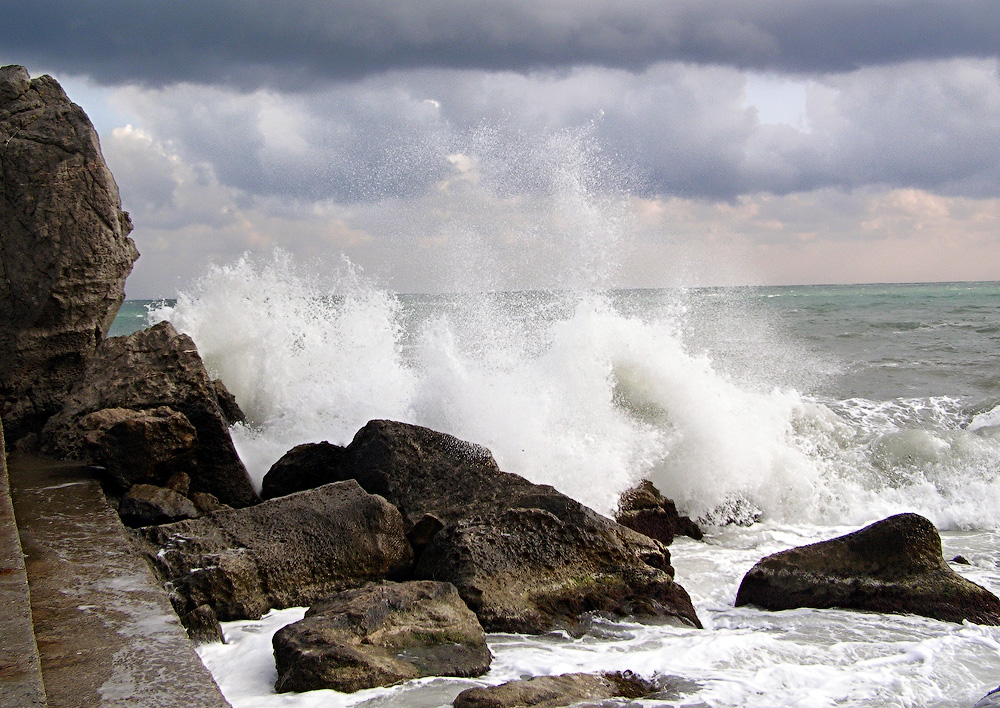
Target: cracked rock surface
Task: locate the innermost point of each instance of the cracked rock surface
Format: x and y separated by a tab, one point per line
64	247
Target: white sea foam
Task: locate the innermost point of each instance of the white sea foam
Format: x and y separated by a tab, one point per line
569	390
590	391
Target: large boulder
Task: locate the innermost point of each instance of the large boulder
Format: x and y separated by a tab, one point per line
894	565
556	691
379	635
524	557
64	248
287	552
156	374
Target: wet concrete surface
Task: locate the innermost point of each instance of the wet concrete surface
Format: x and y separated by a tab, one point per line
20	671
104	628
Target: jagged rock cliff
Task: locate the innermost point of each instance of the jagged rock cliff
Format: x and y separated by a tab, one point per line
64	247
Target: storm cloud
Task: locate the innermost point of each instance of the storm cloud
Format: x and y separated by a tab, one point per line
298	43
778	132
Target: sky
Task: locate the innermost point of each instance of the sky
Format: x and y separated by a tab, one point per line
496	144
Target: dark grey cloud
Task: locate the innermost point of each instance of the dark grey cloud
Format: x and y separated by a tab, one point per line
299	43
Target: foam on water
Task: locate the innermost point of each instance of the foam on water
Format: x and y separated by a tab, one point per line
591	390
572	389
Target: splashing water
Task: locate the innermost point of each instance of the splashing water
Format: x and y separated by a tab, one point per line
709	394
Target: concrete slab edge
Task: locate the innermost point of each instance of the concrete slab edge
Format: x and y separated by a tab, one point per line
21	683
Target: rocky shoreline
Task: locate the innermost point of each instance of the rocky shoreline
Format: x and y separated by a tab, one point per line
408	544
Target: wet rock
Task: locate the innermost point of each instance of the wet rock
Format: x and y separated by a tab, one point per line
138	446
231	411
378	635
286	552
894	565
203	626
524	557
144	372
147	504
556	691
645	510
64	248
303	467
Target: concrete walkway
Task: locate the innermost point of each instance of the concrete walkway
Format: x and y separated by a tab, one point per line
105	631
20	671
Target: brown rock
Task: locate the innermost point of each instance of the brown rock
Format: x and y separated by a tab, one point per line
645	510
524	557
144	371
556	691
378	635
286	552
64	248
147	504
894	565
137	446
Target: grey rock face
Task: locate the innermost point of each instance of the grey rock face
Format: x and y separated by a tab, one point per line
894	565
285	552
143	372
378	635
524	557
64	247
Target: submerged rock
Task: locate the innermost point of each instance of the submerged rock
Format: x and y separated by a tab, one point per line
158	377
894	565
645	510
378	635
64	248
557	691
282	553
524	557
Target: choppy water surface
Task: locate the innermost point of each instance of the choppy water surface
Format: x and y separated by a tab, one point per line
814	410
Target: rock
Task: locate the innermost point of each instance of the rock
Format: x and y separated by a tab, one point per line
544	562
231	411
144	372
378	635
894	565
645	510
202	626
147	504
138	446
180	483
422	532
206	503
556	691
524	557
286	552
64	248
303	467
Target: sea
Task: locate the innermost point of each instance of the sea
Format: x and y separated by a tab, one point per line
776	416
